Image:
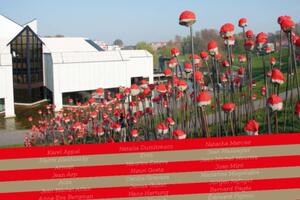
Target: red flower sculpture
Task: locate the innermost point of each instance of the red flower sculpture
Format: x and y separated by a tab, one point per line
225	63
228	107
179	134
172	63
100	92
242	58
203	99
188	68
249	34
212	47
261	39
287	24
196	58
198	76
204	55
175	52
144	83
277	76
162	128
182	85
168	72
280	19
272	61
243	22
161	88
249	45
251	127
227	30
170	121
275	102
187	18
134	133
241	71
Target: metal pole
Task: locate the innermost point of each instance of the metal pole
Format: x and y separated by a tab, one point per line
267	95
194	81
289	84
280	48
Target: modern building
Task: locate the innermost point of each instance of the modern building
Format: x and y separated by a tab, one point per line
35	68
157	45
106	47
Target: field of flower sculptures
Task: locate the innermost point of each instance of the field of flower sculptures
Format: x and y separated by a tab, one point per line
204	97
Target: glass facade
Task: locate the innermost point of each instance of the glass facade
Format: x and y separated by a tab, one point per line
1	105
27	59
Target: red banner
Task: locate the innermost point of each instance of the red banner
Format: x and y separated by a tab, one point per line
256	167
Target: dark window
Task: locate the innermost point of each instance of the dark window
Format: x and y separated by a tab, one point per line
136	80
77	97
2	105
27	59
84	96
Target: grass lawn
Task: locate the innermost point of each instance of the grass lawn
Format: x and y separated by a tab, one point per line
292	124
12	146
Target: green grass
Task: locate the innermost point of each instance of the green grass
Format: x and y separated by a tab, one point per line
12	146
292	122
258	70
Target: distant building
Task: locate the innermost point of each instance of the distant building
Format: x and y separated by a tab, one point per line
35	68
103	45
129	47
157	45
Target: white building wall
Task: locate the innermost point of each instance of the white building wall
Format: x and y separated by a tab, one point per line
6	84
87	76
48	71
140	63
140	67
82	76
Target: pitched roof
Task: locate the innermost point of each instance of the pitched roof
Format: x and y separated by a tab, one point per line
27	27
68	44
10	28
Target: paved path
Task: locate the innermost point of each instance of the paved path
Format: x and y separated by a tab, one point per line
11	137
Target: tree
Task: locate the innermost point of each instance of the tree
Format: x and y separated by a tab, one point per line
118	42
165	50
297	28
238	45
177	41
201	38
147	46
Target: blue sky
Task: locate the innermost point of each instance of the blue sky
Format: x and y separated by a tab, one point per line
141	20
